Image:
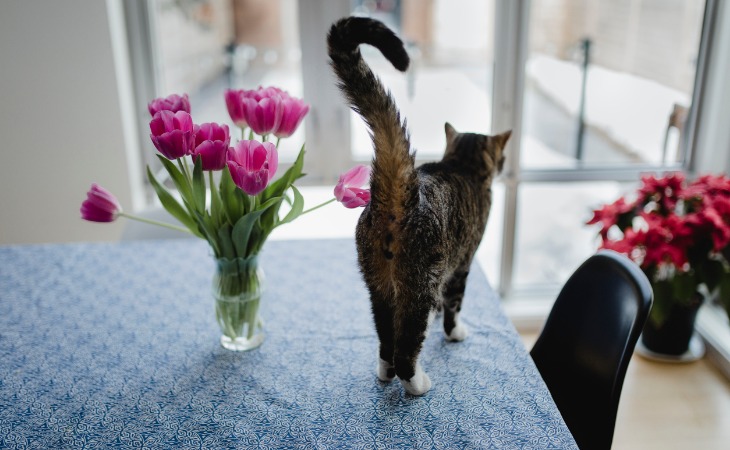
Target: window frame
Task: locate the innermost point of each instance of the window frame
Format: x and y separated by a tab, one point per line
328	123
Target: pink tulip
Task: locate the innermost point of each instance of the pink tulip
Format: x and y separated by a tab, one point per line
293	111
100	205
348	190
172	103
172	133
234	103
264	115
252	165
211	144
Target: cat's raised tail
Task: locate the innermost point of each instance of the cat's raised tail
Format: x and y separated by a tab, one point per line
393	164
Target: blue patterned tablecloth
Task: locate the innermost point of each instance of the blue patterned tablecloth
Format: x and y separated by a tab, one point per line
116	345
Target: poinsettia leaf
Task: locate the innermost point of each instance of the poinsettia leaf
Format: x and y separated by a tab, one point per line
198	185
724	293
712	272
663	299
682	287
172	206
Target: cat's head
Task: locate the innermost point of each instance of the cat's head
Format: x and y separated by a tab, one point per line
487	151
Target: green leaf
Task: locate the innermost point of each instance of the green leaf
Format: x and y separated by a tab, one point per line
663	299
216	208
683	287
712	273
198	185
242	229
181	181
230	199
296	208
209	233
172	206
224	237
278	187
724	293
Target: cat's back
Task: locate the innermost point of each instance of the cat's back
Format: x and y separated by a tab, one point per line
443	218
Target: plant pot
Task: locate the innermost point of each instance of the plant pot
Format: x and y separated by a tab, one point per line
675	338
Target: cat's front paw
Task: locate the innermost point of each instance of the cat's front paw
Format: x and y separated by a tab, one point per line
419	383
458	333
385	371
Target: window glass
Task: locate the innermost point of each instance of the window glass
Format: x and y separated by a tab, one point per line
204	47
609	83
449	79
552	238
489	253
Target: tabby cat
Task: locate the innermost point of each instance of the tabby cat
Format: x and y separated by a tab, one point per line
417	236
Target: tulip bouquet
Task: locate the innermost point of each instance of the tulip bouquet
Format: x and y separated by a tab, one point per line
227	194
678	233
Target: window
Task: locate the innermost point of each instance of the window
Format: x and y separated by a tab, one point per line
596	93
604	92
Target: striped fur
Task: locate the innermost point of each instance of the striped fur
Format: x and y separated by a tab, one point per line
417	237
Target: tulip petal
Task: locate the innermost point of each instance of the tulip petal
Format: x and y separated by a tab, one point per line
100	205
357	176
252	165
348	190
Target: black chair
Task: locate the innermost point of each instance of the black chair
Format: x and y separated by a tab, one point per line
586	344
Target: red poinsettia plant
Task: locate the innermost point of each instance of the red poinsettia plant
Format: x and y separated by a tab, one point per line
678	232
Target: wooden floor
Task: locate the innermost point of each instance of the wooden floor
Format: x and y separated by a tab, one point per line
671	406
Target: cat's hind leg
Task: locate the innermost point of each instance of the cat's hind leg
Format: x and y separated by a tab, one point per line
411	325
453	296
383	316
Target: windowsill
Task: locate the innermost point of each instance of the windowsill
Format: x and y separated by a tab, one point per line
713	326
528	312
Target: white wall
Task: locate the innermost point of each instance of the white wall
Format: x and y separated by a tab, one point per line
60	122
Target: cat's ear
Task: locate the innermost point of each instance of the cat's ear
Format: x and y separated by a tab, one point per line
450	132
501	139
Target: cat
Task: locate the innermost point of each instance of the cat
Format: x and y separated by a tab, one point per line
417	237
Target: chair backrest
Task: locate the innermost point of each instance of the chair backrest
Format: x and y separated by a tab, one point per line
586	344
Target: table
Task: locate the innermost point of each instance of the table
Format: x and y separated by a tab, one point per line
116	345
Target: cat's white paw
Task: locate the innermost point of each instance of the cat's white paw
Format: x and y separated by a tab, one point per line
385	371
458	333
419	384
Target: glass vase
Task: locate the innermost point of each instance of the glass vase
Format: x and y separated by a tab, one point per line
237	290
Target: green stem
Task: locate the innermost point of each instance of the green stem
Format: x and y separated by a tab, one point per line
318	206
184	167
278	139
155	222
214	200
